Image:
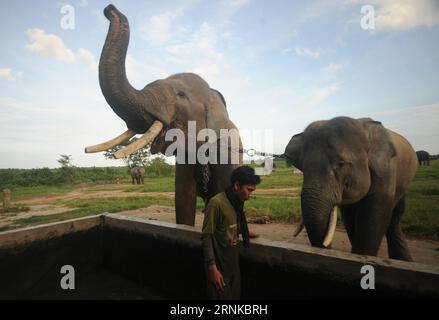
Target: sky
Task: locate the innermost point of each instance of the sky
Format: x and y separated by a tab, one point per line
279	64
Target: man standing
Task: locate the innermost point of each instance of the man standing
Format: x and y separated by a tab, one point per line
224	219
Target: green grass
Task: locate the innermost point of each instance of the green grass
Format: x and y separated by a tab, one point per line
281	178
421	218
278	208
23	193
90	207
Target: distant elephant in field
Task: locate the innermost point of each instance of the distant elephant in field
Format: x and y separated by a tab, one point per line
423	157
183	102
137	174
362	168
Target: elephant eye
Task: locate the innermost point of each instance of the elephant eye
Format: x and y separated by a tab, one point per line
342	163
181	94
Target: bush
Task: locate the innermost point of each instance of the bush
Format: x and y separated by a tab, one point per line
158	168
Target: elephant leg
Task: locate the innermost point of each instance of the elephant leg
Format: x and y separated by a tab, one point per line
185	194
372	221
220	178
396	244
348	213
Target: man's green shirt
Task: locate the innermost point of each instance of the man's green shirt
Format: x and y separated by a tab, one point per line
220	235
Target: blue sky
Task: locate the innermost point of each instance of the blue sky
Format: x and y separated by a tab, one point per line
279	64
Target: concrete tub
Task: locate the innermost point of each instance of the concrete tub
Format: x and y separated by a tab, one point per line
117	257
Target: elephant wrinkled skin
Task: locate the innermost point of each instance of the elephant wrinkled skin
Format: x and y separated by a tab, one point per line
362	168
162	105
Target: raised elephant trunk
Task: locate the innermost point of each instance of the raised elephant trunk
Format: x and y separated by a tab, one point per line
120	95
128	103
319	217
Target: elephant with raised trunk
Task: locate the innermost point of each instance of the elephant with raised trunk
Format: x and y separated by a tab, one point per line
364	169
162	105
137	174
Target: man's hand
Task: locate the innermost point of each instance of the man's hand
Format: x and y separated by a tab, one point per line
217	278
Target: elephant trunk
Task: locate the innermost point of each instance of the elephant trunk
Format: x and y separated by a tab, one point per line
319	217
127	102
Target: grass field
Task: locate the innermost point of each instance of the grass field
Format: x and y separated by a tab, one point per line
421	218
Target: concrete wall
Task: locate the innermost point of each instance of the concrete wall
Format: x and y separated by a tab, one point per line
270	269
134	254
31	258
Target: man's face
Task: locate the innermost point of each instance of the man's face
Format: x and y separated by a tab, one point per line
244	191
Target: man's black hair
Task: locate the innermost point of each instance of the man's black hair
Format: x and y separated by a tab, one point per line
245	175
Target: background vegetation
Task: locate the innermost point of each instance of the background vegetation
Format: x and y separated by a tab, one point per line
421	218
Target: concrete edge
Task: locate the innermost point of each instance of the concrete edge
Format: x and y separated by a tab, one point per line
116	220
336	254
399	276
175	232
17	237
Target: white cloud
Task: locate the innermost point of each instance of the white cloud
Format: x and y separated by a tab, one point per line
7	74
198	53
405	14
159	29
89	59
315	54
53	46
83	3
49	45
389	14
332	68
320	94
201	43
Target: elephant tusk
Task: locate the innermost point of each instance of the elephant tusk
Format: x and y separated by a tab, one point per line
111	143
299	228
331	229
149	136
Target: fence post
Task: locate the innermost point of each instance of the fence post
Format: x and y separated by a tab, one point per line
6	199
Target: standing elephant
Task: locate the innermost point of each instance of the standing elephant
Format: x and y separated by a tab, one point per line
137	174
423	157
362	168
162	105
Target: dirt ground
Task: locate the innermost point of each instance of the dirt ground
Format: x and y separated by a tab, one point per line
423	251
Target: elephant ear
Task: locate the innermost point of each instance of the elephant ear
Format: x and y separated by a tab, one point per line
220	96
380	147
293	151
